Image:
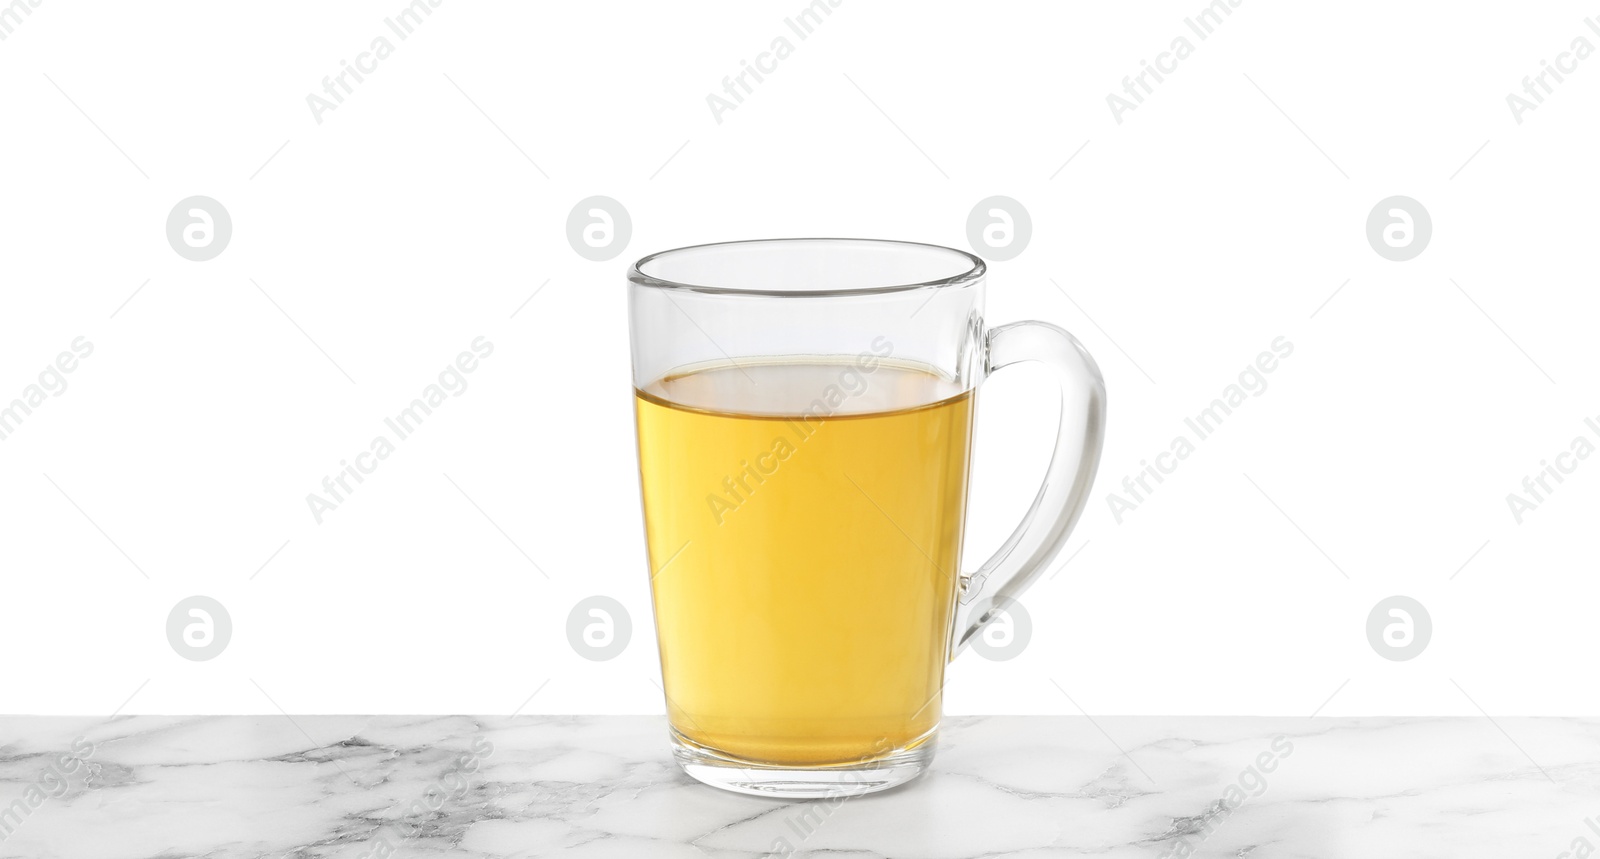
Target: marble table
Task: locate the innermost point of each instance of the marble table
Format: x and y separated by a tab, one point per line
310	787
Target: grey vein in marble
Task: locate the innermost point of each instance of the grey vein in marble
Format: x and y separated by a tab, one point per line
157	787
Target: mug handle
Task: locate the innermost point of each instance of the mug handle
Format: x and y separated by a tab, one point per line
1065	491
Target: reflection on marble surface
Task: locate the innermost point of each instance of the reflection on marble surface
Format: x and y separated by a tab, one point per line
369	786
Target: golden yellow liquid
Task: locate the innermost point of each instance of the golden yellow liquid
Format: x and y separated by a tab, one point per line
804	556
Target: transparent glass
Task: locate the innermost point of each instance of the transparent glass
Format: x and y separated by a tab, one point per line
804	411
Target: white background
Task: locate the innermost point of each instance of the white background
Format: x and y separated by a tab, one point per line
406	223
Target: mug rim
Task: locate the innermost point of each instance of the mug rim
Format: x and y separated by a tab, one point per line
974	272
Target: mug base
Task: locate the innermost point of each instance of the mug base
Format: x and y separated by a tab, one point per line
820	782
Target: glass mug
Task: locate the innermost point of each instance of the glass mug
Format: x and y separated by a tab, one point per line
804	411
